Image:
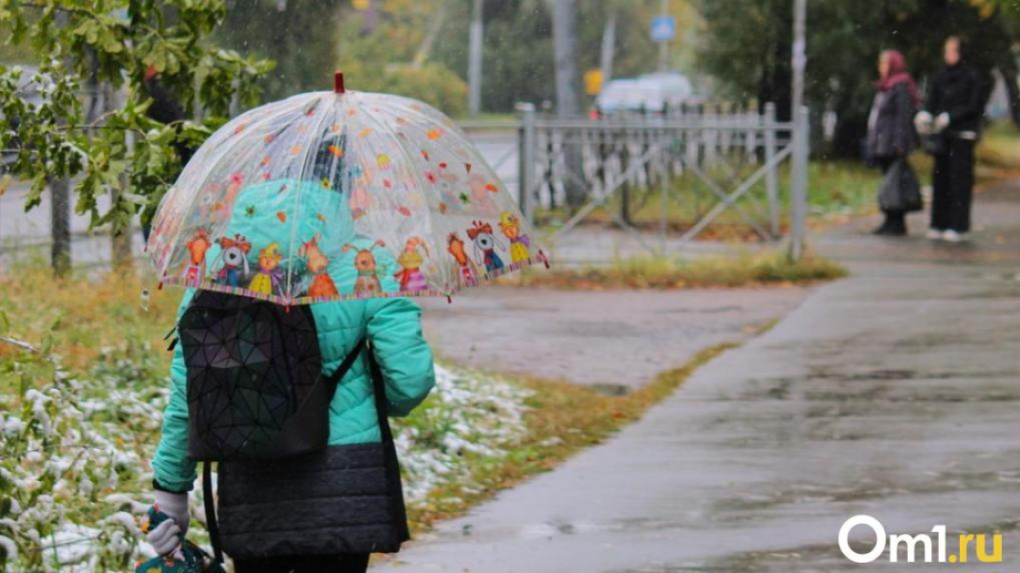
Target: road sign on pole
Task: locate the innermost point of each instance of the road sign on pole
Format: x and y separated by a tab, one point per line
663	28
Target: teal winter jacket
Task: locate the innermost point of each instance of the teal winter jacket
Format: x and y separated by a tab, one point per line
391	325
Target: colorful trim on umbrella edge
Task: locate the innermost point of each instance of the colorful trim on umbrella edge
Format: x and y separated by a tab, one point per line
286	301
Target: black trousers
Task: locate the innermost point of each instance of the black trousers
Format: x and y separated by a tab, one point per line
953	186
350	563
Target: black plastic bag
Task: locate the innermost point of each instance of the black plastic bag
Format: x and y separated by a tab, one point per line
900	191
934	144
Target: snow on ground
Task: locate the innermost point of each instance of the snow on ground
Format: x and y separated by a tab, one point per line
74	458
466	413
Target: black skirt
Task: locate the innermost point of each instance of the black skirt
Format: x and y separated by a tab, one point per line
339	500
344	499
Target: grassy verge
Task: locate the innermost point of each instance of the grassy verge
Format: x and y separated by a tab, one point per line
998	154
749	270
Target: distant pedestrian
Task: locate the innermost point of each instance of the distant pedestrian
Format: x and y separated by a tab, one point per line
890	129
952	119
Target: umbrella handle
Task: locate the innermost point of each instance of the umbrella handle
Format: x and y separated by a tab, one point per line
338	82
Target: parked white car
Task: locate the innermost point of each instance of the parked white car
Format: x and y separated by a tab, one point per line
649	93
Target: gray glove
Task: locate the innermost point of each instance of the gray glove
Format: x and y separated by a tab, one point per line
923	123
166	537
942	121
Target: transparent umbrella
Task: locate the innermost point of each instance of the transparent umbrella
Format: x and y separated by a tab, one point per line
334	195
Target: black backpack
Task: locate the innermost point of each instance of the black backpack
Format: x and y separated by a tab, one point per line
255	385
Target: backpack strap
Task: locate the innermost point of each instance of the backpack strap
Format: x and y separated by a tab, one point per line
345	366
394	487
210	511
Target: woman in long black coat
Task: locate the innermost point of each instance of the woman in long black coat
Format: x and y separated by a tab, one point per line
890	125
953	112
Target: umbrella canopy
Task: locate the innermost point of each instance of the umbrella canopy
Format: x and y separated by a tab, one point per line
334	195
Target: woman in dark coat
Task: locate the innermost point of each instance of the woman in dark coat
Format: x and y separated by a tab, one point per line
890	127
953	111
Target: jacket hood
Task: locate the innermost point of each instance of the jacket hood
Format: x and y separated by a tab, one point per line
282	215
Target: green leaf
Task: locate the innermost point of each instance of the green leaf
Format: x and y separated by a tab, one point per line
47	344
24	384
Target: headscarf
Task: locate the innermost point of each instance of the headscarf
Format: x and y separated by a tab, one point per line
898	74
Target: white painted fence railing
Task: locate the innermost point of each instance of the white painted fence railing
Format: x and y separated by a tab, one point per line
598	157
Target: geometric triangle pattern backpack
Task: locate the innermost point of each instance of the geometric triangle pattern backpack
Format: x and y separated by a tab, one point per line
255	387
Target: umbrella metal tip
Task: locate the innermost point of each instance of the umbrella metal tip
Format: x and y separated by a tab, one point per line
338	82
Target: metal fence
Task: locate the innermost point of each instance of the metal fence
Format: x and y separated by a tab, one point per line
735	154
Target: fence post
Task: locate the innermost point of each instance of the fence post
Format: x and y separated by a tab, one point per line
771	179
526	156
798	198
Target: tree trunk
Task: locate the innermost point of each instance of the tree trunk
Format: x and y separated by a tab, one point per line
120	242
60	226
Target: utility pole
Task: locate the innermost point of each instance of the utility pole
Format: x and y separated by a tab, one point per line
475	60
799	56
664	46
801	143
567	90
565	48
608	45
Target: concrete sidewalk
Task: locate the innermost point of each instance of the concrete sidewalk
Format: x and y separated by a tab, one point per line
895	392
613	339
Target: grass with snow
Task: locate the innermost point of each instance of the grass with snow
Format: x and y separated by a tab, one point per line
80	418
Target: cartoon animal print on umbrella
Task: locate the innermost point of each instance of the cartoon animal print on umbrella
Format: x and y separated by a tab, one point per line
485	246
269	277
519	243
199	244
367	283
468	268
322	285
234	258
410	261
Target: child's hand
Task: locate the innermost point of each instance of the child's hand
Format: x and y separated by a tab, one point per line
167	535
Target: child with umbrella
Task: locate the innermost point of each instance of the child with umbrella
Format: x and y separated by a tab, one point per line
308	483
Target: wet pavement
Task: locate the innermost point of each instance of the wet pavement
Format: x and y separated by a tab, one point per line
894	393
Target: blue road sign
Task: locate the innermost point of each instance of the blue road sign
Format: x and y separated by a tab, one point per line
663	28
